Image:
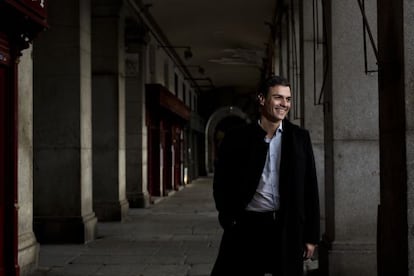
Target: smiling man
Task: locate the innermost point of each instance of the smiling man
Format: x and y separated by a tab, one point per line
266	192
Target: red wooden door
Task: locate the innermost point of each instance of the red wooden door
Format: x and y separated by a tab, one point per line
153	158
167	156
177	156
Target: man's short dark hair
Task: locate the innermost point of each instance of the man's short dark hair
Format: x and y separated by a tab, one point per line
271	82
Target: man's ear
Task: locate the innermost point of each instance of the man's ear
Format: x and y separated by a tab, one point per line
260	98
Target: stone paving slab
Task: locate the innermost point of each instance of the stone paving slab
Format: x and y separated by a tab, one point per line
179	236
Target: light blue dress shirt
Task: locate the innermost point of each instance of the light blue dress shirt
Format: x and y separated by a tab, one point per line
267	197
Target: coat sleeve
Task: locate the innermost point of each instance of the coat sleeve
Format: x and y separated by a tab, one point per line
312	212
221	181
220	176
222	189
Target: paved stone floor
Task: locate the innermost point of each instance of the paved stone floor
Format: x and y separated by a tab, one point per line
178	236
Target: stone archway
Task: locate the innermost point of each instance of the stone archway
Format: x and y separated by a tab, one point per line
214	120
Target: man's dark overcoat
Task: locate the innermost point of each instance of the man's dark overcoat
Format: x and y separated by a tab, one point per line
238	169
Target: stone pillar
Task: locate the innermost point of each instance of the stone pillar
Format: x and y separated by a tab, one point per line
294	69
136	130
408	8
62	126
352	142
28	246
282	67
396	83
409	103
312	64
108	100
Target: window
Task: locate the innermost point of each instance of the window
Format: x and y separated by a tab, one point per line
152	62
183	92
175	83
166	74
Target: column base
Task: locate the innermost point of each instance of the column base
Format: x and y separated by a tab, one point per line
80	229
138	200
111	210
349	258
28	255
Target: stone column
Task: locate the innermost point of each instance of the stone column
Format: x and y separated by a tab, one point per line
136	130
28	246
312	64
294	69
408	8
409	103
352	142
108	100
396	83
62	126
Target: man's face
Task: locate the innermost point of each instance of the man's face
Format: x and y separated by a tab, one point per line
277	103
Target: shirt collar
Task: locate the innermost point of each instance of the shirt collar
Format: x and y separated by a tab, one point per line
279	129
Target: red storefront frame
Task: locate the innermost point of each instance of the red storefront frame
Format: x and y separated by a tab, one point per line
8	160
36	10
166	116
20	22
2	168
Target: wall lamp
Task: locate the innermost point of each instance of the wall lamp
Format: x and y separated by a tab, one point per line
200	69
187	52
